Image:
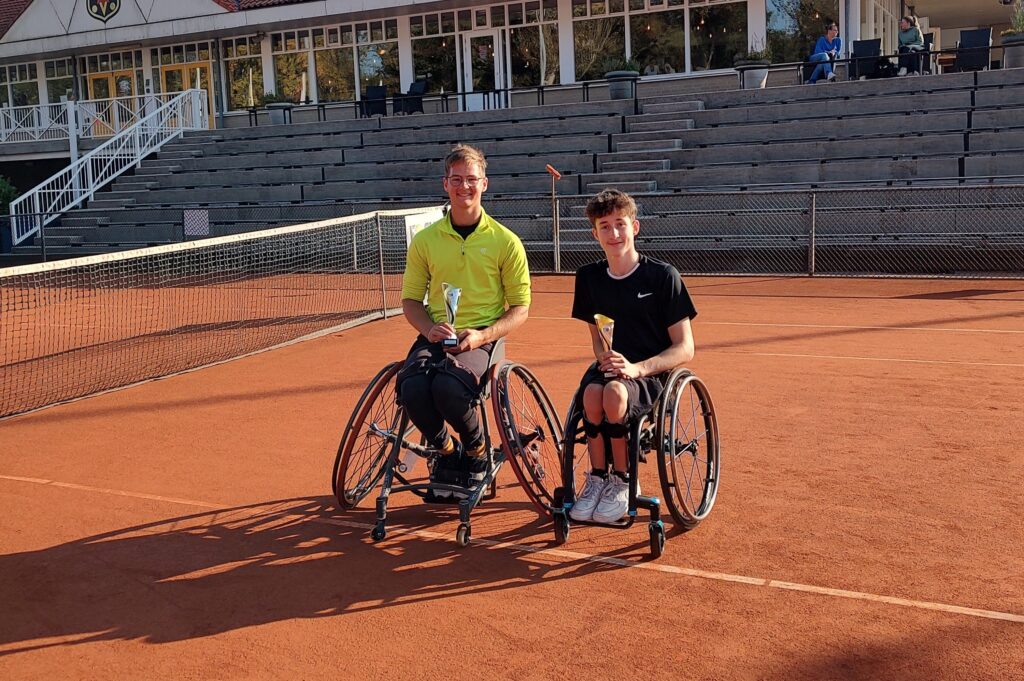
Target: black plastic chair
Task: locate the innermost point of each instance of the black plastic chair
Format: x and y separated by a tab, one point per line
974	50
411	101
864	58
807	68
374	102
924	57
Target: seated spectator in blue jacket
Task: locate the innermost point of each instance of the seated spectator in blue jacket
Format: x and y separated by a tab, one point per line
826	49
911	41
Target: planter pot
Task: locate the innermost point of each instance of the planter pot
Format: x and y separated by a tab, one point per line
280	112
1013	51
753	75
621	84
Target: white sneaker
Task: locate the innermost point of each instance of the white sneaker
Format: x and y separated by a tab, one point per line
614	500
583	509
830	77
902	71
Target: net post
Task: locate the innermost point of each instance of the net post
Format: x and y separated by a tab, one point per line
812	234
42	236
380	260
557	241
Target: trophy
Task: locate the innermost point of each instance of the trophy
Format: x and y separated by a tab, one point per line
606	327
451	306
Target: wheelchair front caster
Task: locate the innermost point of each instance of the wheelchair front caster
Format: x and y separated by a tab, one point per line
462	535
378	533
561	527
657	532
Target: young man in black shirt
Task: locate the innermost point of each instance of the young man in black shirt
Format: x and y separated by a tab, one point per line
651	310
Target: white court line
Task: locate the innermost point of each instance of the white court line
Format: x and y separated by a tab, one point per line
944	329
871	359
585	557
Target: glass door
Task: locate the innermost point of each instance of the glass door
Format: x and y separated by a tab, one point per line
483	72
181	77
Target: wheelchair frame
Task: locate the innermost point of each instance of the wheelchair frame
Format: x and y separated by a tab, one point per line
382	423
644	436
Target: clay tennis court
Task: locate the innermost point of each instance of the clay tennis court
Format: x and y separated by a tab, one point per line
868	523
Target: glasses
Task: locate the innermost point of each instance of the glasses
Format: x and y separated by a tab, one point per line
459	181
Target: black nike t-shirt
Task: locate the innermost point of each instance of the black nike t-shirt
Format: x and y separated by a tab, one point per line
643	304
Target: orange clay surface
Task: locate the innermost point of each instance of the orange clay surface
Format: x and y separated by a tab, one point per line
868	525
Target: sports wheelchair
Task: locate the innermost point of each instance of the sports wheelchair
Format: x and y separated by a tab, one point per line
380	445
682	431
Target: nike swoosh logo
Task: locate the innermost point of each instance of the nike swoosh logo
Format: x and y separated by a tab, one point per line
644	295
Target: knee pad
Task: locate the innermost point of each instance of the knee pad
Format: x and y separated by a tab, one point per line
614	430
591	430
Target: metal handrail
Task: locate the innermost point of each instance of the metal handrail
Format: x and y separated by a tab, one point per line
82	179
94	118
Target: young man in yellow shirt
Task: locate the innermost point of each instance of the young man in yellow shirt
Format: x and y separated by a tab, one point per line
469	250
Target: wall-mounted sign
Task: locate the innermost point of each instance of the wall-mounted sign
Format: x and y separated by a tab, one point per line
104	10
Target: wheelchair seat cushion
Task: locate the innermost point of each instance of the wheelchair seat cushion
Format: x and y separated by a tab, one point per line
642	393
470	368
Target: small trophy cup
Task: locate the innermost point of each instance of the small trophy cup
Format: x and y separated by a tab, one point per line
451	306
606	326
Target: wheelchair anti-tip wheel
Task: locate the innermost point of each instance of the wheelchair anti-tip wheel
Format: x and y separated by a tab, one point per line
531	432
687	449
364	448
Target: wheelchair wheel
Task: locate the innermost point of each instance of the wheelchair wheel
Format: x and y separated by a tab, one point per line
574	447
363	451
531	432
688	449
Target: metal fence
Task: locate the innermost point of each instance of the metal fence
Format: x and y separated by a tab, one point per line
967	231
963	231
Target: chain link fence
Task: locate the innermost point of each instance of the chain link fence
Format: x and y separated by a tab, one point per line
942	231
970	231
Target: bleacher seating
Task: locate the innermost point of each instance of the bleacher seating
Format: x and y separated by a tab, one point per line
936	130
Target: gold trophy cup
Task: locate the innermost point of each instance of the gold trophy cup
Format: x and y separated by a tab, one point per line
451	307
606	327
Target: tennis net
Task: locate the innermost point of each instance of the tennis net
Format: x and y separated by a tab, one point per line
76	327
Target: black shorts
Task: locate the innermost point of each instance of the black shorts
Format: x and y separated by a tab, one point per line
642	393
426	358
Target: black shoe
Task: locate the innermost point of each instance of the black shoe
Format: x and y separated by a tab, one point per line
447	470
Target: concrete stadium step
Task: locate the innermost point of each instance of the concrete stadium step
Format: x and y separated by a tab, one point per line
590	142
835	92
272	144
673	107
297	129
334	191
940	143
832	172
265	177
171	153
58	240
524	114
842	109
185	197
624	166
658	126
158	168
995	165
999	140
999	119
867	126
648	145
73	221
635	187
133	184
543	128
1000	77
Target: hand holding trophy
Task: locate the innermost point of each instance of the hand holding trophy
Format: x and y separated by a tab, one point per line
451	307
606	327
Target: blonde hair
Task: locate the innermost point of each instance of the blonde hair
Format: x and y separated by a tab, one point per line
608	201
464	153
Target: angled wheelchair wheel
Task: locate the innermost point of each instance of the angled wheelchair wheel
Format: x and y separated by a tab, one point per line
574	449
364	448
688	449
531	432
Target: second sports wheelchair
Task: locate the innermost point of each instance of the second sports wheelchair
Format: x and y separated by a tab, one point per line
381	446
682	431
